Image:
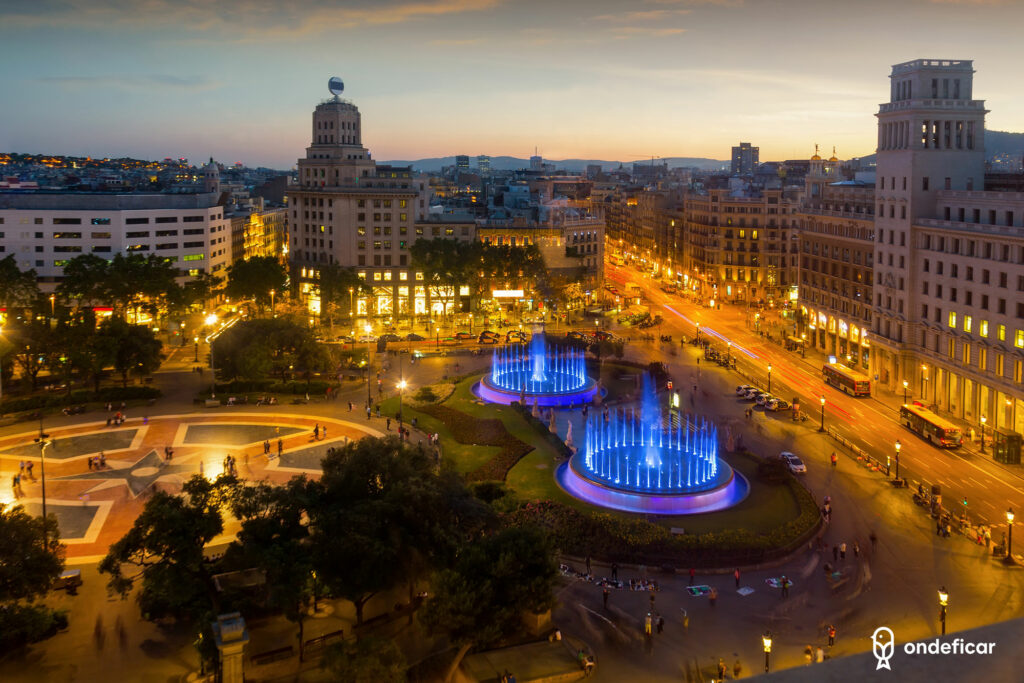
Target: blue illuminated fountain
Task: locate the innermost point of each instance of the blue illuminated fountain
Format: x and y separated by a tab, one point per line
634	460
538	374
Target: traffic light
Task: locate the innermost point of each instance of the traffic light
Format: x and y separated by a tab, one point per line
965	501
670	385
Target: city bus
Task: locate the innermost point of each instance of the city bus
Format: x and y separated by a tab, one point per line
617	260
847	380
938	431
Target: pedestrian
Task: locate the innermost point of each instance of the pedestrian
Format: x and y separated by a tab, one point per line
651	596
323	432
874	540
378	411
835	459
736	574
266	447
245	459
820	656
604	596
103	459
588	565
29	468
647	624
90	463
316	432
713	597
831	635
661	623
988	531
693	573
14	485
722	669
785	587
350	406
280	447
389	423
835	553
367	412
856	549
615	571
842	551
737	669
808	655
21	467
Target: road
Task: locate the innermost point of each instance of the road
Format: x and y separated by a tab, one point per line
871	423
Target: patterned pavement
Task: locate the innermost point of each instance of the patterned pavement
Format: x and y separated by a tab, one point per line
95	507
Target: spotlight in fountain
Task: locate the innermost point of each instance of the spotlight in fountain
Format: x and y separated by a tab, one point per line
632	460
538	373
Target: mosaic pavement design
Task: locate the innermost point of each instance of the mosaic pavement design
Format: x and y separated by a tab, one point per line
236	434
65	448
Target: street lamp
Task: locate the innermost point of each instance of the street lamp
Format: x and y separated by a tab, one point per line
924	378
211	320
272	313
943	602
53	302
437	332
769	378
1009	536
351	301
822	427
766	641
983	421
698	334
195	340
728	351
401	389
43	443
369	366
904	392
898	446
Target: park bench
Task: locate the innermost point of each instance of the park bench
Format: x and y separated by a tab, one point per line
273	655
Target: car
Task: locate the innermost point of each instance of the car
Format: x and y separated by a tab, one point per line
489	338
389	337
743	388
491	334
412	336
515	336
762	399
576	335
602	335
450	341
366	338
751	394
345	339
777	404
795	464
464	336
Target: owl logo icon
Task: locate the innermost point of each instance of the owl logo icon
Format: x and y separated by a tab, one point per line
883	644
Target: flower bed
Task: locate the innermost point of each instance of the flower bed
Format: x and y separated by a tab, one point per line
637	540
487	432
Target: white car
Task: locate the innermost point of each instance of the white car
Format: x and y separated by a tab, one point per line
366	338
796	465
751	394
763	399
743	389
777	404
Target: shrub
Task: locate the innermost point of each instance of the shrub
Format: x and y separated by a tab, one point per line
79	396
425	395
542	429
488	432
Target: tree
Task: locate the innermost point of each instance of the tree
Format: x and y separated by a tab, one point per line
446	264
28	568
253	279
164	552
17	288
33	345
135	347
254	349
481	600
333	283
367	660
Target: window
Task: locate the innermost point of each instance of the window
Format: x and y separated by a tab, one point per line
952	319
136	234
924	183
192	245
166	233
100	221
1002	333
67	235
193	231
192	219
101	235
983	328
193	257
968	320
136	221
68	249
1000	364
166	219
67	221
966	354
1018	339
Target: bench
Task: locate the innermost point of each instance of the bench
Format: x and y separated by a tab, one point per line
273	655
212	403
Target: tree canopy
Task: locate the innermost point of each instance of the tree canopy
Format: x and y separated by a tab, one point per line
254	278
18	288
258	348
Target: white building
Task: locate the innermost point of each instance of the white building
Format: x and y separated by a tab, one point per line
949	263
45	230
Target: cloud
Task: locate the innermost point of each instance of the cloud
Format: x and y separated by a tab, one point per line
647	15
723	3
456	42
624	32
137	82
241	20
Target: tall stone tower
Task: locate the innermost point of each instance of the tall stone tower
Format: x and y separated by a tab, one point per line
930	139
211	177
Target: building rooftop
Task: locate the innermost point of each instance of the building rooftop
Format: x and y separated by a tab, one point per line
105	201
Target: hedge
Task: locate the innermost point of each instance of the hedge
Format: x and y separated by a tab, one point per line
542	429
79	396
636	540
241	386
482	432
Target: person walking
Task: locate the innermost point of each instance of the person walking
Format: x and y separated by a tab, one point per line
835	553
722	669
661	624
604	596
388	422
588	565
713	597
28	466
693	573
280	447
856	549
737	669
316	432
367	412
615	571
266	447
808	655
736	575
21	467
835	459
785	587
842	551
820	656
831	635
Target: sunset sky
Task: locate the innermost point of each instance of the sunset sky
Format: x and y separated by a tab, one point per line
238	79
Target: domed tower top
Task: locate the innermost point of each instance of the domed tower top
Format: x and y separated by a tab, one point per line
211	177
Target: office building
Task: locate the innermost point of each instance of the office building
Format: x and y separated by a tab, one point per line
744	159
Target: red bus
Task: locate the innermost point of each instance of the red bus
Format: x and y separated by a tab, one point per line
847	380
938	431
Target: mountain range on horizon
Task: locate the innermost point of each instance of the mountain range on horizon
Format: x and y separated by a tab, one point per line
996	142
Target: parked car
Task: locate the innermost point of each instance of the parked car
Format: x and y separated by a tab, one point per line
464	336
743	388
412	336
795	464
515	336
762	400
751	395
345	339
390	337
576	335
488	338
366	338
777	404
450	341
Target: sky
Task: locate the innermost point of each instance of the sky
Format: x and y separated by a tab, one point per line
238	79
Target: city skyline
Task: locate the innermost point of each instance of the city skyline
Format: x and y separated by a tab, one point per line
600	80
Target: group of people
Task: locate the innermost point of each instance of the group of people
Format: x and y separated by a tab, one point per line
319	432
230	467
266	448
98	462
24	469
117	419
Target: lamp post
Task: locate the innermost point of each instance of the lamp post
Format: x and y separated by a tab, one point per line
437	333
43	443
904	392
698	334
1009	536
369	366
1	378
983	421
272	313
898	446
728	352
769	378
351	302
53	303
924	378
943	602
211	320
401	390
766	641
822	427
195	340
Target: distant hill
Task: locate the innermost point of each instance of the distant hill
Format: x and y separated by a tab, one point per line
515	163
996	142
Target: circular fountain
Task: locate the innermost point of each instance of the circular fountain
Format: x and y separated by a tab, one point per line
633	460
538	374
